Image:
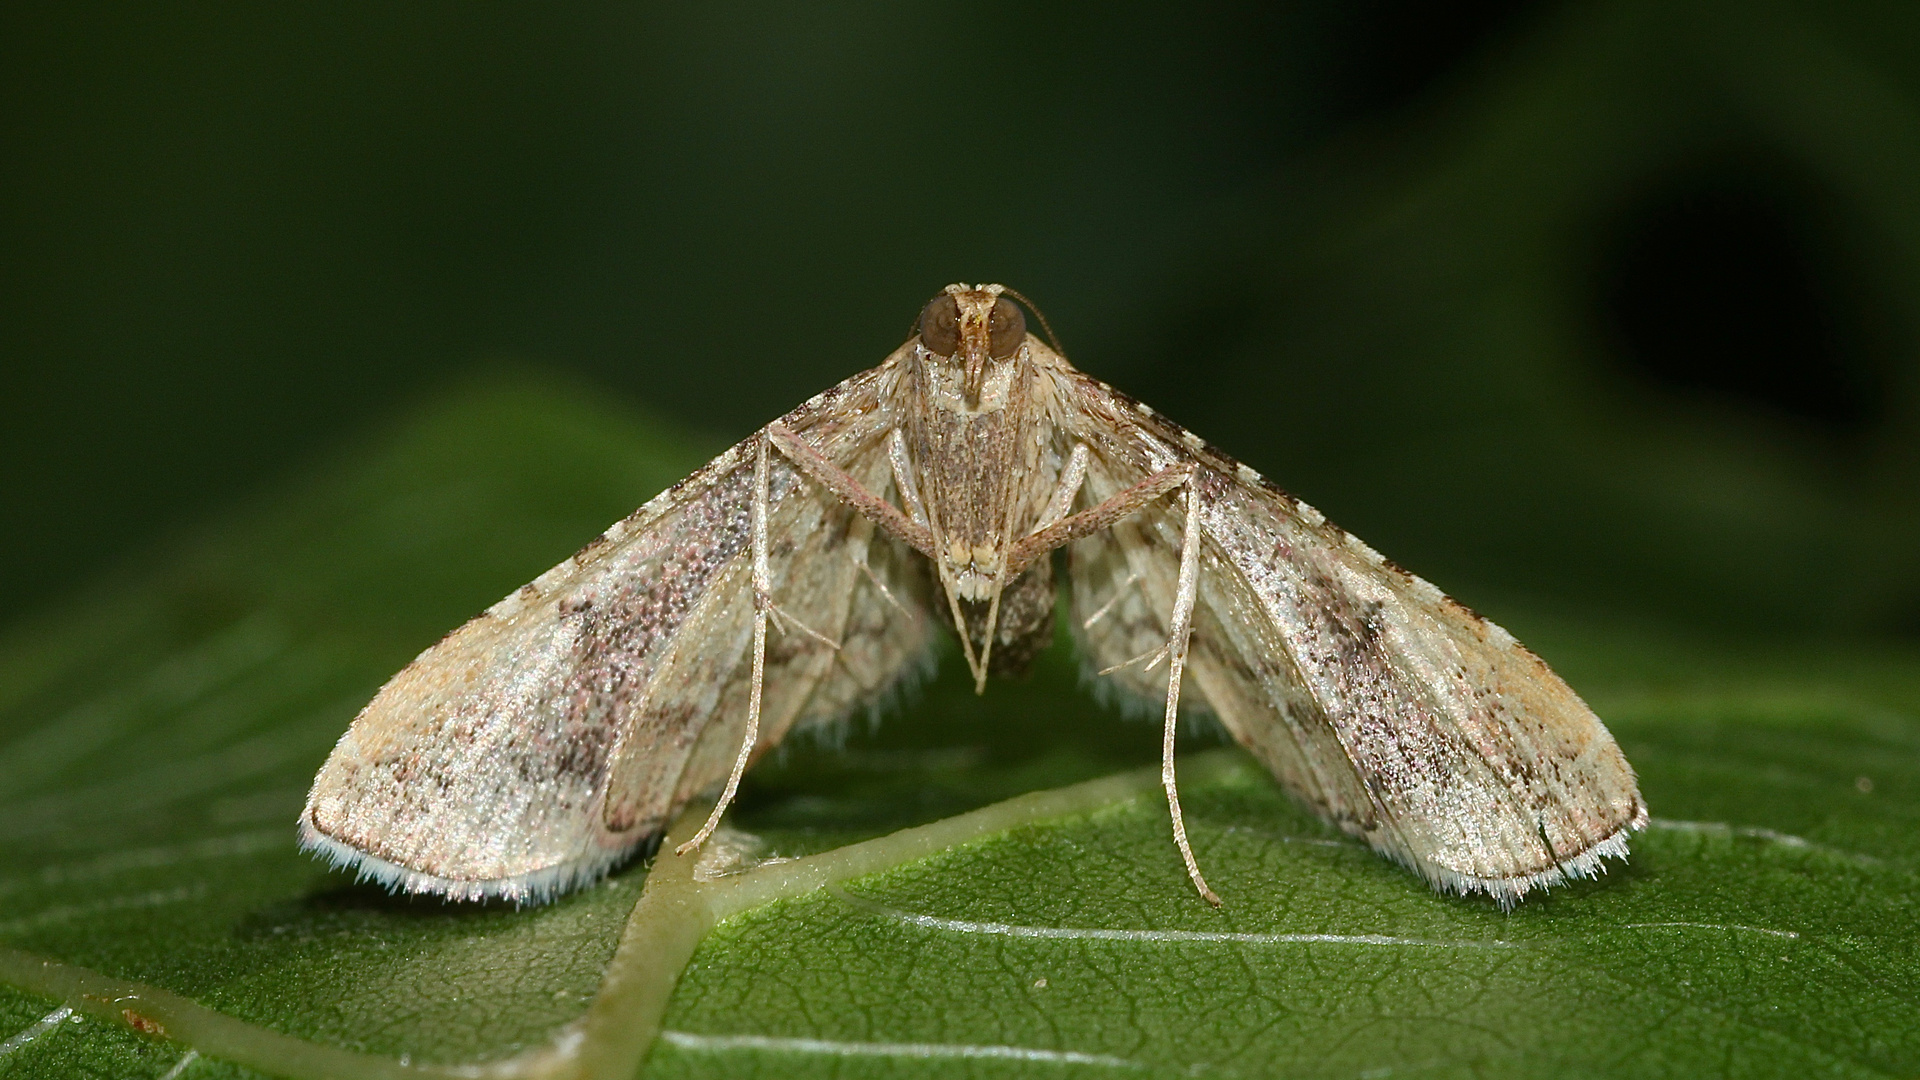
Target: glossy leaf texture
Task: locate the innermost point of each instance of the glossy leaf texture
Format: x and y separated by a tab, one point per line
157	734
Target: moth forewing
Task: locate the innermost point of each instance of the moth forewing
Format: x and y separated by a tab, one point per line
1562	783
830	577
479	770
1490	773
555	734
1397	714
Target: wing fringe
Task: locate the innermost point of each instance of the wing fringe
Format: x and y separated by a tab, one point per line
522	890
1509	891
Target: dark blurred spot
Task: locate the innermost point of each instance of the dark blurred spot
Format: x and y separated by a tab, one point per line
1393	51
1732	282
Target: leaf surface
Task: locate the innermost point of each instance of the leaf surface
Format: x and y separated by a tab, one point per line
157	735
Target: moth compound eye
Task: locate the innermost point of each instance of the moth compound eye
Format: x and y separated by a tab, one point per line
940	325
1006	329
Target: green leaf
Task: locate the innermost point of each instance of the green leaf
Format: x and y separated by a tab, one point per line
158	734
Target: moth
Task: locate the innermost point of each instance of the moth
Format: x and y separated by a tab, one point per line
807	571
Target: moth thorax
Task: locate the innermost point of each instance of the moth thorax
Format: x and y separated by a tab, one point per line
948	385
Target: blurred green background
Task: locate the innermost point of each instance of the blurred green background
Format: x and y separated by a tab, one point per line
1605	316
1605	306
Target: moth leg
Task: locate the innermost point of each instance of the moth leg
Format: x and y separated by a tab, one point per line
860	550
788	624
1055	530
903	478
1179	632
909	494
913	533
1151	656
762	608
1118	595
851	491
1071	478
1121	504
1054	533
885	593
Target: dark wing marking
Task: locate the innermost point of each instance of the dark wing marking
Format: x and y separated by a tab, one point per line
1399	715
544	741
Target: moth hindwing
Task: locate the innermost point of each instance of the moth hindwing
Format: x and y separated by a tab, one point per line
807	571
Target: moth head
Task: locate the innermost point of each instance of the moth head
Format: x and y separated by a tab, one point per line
969	325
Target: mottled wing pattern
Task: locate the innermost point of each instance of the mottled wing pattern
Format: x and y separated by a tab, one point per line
834	574
1399	715
613	688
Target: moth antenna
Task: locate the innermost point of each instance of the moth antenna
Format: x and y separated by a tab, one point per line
1045	326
